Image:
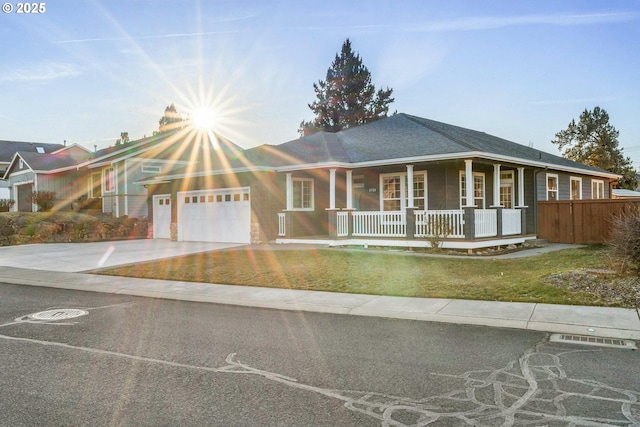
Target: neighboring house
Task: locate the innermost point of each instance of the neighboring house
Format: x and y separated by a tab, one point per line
102	180
394	182
9	148
621	193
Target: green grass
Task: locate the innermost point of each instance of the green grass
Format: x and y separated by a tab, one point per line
382	273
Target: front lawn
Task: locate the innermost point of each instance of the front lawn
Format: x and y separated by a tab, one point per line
387	273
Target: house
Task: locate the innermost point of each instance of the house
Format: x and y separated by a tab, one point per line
393	182
102	180
9	148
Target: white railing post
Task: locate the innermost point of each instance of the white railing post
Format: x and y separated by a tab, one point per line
282	224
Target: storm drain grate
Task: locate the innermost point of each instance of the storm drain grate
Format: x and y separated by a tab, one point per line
59	314
596	341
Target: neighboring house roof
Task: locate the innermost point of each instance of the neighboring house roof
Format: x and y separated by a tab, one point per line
60	160
404	138
622	193
9	148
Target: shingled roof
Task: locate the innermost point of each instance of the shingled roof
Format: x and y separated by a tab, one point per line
402	136
9	148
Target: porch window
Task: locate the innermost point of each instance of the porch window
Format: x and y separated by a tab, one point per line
395	191
552	187
303	194
109	180
96	185
576	188
597	189
478	189
506	189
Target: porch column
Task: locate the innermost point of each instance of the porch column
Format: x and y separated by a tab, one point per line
289	191
521	188
468	172
410	187
332	189
496	185
349	189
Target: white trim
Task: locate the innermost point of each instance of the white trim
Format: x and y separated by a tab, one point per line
349	185
546	185
521	188
496	185
409	192
571	181
411	243
332	189
471	182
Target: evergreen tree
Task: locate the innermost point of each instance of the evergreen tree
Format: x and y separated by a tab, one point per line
170	120
347	98
593	141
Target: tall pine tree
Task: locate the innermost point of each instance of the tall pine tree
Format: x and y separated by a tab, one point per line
347	98
593	141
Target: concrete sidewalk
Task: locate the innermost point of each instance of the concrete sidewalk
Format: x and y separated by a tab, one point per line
596	321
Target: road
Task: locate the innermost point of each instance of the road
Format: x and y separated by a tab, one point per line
127	361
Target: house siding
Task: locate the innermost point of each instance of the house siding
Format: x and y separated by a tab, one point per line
69	187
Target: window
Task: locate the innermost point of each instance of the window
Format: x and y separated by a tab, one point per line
597	189
506	189
109	180
96	185
21	164
302	193
576	188
395	191
40	150
150	169
478	189
552	187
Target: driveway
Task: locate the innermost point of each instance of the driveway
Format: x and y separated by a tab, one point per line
77	257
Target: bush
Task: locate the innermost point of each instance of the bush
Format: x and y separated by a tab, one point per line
44	200
624	240
6	204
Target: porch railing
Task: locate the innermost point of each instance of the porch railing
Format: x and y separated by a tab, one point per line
342	224
379	224
511	222
486	222
444	223
282	229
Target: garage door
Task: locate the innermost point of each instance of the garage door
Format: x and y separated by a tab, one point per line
222	215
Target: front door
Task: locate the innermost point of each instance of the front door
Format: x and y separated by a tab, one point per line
24	196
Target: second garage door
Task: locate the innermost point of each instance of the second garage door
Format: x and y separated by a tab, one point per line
222	215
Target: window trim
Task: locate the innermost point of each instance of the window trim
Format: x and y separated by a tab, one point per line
404	196
475	199
546	185
579	181
597	182
144	168
298	181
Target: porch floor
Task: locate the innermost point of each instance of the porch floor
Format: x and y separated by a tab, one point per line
408	243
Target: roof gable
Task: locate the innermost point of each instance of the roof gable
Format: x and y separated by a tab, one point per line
9	148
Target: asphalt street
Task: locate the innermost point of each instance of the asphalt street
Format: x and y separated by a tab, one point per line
83	358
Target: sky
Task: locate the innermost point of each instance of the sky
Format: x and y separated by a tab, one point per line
85	71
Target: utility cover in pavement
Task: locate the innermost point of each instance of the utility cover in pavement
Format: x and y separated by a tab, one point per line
58	314
590	340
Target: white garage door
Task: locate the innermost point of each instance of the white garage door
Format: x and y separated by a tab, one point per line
222	215
162	216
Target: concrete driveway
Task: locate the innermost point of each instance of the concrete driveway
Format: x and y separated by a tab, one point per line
77	257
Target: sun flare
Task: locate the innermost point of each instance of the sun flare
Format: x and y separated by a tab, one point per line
203	118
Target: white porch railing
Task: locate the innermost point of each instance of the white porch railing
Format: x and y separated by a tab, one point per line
486	222
342	224
282	218
444	223
511	222
379	224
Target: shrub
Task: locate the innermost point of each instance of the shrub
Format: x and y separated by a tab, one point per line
44	200
438	230
624	240
6	204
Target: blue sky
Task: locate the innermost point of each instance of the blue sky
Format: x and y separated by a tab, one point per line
84	71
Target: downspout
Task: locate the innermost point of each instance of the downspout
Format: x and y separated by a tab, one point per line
535	205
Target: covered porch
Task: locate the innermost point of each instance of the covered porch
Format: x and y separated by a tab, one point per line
470	226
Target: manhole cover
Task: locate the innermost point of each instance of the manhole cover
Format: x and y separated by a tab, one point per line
597	341
58	314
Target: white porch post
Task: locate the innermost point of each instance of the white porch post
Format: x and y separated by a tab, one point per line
521	187
496	184
468	171
289	192
332	188
349	189
410	186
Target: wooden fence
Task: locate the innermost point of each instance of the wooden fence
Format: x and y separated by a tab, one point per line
580	221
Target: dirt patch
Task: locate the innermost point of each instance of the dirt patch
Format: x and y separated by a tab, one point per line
622	291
